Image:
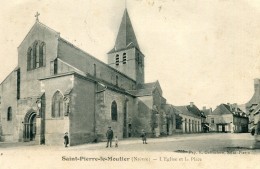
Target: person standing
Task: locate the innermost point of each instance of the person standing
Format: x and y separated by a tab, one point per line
66	139
231	127
109	135
116	141
143	135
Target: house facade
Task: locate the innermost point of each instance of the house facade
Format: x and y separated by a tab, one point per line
228	118
192	118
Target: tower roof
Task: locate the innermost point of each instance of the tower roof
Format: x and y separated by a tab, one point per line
126	37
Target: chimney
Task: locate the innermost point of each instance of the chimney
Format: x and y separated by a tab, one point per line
210	110
235	106
191	104
256	84
204	108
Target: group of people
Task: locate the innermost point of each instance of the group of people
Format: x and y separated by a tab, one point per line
110	136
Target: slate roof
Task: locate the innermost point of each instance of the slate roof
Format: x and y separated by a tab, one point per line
206	111
126	37
224	109
189	111
145	89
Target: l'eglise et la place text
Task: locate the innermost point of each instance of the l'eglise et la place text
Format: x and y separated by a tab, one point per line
89	159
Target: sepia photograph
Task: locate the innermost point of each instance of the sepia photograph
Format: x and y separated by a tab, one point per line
130	84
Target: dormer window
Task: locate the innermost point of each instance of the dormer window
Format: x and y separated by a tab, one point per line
117	59
124	58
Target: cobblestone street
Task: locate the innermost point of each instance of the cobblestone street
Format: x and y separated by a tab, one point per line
186	143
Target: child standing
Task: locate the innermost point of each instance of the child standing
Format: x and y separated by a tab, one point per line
143	135
66	139
116	141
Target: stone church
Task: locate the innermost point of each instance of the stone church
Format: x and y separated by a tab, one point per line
57	88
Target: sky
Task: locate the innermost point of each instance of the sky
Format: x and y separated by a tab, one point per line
206	52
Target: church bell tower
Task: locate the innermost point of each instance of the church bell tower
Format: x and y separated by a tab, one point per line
126	56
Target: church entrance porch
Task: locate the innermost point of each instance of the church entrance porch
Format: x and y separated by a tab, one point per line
30	126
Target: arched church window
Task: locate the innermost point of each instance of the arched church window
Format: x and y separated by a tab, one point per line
42	54
114	111
9	114
29	58
124	58
57	105
117	59
35	55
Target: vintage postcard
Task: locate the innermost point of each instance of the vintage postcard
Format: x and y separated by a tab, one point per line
129	84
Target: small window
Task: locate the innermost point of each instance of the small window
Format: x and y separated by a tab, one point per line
9	114
124	58
18	84
55	66
117	59
116	80
212	120
114	111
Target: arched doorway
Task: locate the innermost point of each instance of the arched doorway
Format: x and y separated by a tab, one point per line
30	126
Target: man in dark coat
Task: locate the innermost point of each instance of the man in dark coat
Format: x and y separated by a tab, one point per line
109	135
66	139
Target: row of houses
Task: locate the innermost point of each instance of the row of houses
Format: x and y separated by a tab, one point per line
225	118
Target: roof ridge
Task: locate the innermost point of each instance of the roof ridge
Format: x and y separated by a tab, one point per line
41	24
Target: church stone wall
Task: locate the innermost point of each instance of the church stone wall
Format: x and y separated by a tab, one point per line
55	127
104	119
24	106
8	99
85	63
133	67
30	85
82	112
129	68
142	117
